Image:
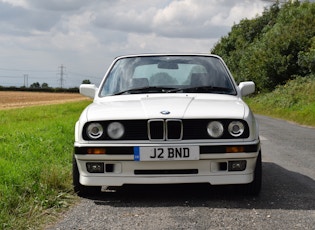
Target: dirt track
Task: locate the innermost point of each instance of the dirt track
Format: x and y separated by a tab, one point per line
11	100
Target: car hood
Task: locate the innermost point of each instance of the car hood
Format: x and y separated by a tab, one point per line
166	106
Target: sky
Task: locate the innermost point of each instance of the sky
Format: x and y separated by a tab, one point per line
63	42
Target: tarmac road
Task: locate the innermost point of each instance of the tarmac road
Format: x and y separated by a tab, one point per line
287	200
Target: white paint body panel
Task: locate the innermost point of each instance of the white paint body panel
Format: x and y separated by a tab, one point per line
180	106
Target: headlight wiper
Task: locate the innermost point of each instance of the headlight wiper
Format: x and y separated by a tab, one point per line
150	89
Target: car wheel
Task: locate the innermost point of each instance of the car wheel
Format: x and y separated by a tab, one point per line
80	189
254	187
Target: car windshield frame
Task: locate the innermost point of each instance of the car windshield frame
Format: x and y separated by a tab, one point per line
167	74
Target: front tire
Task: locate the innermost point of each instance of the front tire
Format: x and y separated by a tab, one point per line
254	188
79	189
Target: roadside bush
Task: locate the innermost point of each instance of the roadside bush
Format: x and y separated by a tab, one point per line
293	101
278	50
35	162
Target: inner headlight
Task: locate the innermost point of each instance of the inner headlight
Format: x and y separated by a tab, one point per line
94	130
236	128
115	130
215	129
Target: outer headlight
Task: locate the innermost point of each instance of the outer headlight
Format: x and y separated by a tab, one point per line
94	130
236	128
115	130
215	129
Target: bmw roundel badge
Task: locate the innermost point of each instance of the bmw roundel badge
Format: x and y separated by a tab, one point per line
165	112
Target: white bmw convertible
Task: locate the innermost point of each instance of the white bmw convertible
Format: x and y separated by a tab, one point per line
167	119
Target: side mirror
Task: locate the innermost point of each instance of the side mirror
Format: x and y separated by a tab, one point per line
88	90
247	87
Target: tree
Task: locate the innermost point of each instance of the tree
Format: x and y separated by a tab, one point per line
35	85
45	85
273	48
86	81
306	59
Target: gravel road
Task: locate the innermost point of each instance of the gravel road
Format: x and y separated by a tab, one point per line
287	200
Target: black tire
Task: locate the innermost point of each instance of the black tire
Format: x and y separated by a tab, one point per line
254	188
79	189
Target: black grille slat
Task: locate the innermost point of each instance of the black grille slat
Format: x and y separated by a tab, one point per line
203	149
135	130
109	150
156	130
168	129
165	171
174	130
222	148
197	129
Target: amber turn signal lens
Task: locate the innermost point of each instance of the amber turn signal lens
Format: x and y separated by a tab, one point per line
234	149
96	151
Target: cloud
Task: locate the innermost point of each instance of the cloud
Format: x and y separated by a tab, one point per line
85	36
151	43
127	17
177	19
23	20
58	5
20	3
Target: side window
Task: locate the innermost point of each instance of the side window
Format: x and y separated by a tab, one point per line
220	75
111	84
118	79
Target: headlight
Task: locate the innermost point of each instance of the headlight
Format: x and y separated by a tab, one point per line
215	129
94	130
115	130
236	128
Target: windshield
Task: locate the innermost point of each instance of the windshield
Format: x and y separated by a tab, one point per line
167	74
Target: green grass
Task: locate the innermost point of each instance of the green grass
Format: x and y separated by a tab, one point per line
294	101
36	145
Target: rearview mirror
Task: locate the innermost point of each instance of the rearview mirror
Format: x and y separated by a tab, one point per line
247	87
88	90
167	65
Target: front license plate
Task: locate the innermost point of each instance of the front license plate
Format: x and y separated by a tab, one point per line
166	153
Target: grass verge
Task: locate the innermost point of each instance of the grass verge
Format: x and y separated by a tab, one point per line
36	152
294	101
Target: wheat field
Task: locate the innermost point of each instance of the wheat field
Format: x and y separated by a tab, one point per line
16	99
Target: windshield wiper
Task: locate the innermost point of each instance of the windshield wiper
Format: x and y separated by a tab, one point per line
196	89
203	89
150	89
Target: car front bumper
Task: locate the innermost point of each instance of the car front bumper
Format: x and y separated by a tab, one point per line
213	168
